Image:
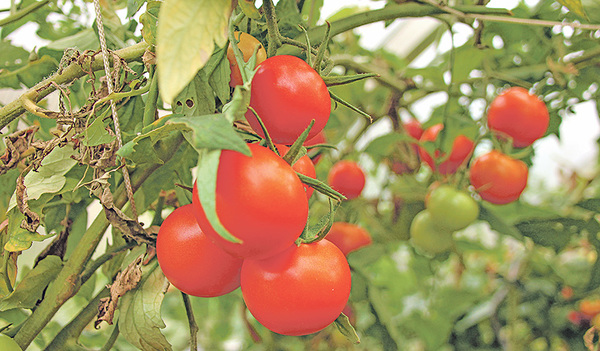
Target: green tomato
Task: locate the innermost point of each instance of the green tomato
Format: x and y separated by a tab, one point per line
8	344
426	236
451	208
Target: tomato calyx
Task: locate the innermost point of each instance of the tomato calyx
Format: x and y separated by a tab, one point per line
319	231
346	328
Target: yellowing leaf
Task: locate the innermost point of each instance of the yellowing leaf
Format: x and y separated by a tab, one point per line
187	33
574	6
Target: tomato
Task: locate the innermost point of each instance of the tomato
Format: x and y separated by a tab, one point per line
8	343
348	237
304	165
498	178
426	236
299	291
461	150
315	154
590	308
247	45
520	115
451	208
191	261
287	94
348	178
413	128
259	200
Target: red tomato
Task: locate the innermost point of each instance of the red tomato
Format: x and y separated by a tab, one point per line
314	154
461	150
247	45
590	308
348	237
191	261
304	165
413	128
299	291
287	94
348	178
519	115
259	200
498	178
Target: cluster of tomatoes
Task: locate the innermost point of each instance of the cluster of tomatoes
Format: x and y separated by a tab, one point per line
515	117
291	285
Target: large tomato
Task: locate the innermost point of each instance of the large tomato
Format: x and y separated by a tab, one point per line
259	200
247	45
303	165
299	291
451	208
428	237
462	148
519	115
348	237
191	261
347	177
287	94
498	178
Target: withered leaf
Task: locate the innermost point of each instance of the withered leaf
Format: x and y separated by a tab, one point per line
16	144
32	219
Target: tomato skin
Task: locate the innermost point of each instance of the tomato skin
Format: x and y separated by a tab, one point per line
347	178
461	150
299	291
520	115
451	208
191	261
427	237
247	45
314	154
498	178
259	200
348	237
304	165
413	128
287	94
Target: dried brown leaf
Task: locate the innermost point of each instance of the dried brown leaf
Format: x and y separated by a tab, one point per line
16	144
588	339
32	219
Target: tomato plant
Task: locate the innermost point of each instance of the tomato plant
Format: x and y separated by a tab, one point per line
299	291
451	208
518	114
462	147
315	154
348	237
498	178
427	236
247	45
287	94
191	261
348	178
303	165
259	200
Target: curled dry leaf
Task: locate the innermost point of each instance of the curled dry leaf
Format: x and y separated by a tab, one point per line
16	144
119	220
126	280
32	219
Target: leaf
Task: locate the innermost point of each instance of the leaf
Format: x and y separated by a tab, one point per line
126	280
141	149
20	239
249	9
555	233
149	20
96	134
219	73
574	6
133	6
30	74
466	60
31	288
343	324
139	319
208	164
212	132
187	33
196	98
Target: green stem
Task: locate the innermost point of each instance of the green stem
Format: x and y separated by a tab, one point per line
192	322
70	333
160	203
273	35
70	73
68	281
151	99
22	13
112	339
93	267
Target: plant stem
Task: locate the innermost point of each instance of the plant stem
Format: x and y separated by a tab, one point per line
70	73
151	99
93	267
68	281
273	35
192	322
23	12
112	339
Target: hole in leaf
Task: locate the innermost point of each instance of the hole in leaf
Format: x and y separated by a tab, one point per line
189	103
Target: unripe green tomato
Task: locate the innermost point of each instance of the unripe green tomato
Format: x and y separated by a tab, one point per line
451	208
427	237
8	344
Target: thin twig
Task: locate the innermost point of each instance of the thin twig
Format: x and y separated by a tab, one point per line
192	322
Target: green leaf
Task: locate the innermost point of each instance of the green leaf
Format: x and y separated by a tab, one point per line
30	74
219	73
149	20
208	164
383	146
12	56
187	33
196	98
466	59
139	319
311	12
574	6
343	324
31	288
133	6
96	134
555	233
212	132
141	149
249	9
20	239
83	40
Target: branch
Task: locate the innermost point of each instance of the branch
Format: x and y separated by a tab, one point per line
72	72
68	281
22	13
